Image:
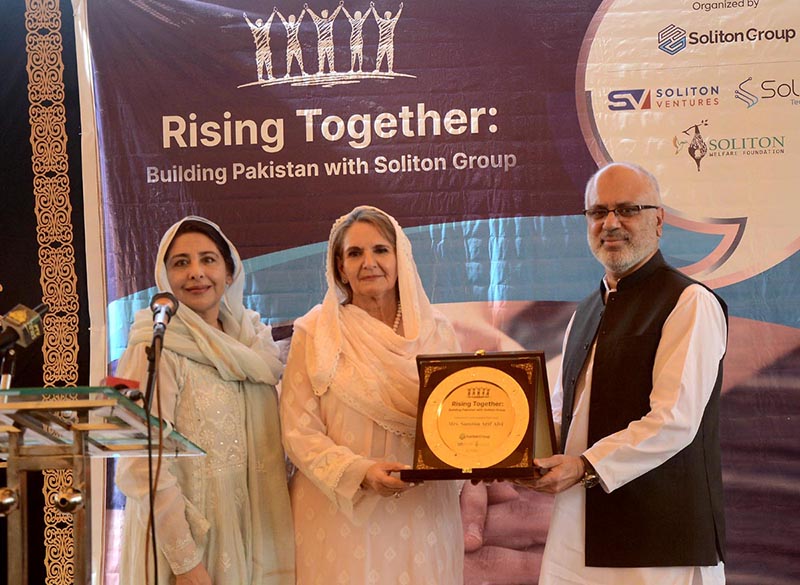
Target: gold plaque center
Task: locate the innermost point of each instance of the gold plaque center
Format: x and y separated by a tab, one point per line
475	417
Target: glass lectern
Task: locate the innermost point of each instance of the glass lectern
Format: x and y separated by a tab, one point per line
62	428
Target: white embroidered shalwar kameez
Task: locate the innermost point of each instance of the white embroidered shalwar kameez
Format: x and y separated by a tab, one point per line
685	369
349	399
229	509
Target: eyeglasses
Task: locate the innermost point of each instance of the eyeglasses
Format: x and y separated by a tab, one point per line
622	212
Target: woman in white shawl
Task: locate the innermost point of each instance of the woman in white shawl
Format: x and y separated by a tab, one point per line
348	412
223	518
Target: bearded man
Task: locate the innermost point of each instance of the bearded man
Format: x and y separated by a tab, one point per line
638	480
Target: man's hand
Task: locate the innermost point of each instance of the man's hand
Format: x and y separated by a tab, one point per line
197	576
562	472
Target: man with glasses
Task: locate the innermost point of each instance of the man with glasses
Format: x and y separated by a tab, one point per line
637	401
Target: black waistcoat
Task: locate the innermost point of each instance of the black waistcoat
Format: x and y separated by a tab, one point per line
672	515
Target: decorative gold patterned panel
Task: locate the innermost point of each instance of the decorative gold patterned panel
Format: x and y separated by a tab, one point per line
51	192
58	535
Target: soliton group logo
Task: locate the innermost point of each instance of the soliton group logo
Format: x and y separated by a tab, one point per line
672	39
326	74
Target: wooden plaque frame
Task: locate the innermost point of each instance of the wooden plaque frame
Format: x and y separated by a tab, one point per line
504	396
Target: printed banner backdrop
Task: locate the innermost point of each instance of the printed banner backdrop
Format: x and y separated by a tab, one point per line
476	125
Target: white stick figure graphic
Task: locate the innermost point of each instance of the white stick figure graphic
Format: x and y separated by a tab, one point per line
260	32
357	37
293	48
386	27
324	24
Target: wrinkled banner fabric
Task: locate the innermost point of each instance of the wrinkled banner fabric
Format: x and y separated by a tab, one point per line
476	125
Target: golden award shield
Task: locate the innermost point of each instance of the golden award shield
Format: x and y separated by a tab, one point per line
481	416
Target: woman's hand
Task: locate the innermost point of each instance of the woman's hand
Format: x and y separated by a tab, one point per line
196	576
380	480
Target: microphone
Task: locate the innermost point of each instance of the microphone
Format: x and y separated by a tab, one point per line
22	326
164	305
128	388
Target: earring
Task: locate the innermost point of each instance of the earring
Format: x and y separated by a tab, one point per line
344	280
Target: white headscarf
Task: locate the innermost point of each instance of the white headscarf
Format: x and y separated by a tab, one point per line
381	379
244	351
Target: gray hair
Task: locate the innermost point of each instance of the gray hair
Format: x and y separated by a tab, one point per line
377	218
591	185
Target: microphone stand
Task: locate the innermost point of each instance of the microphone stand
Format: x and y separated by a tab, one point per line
163	305
153	358
8	367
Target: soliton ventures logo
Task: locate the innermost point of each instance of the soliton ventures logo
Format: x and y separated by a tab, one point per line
663	98
672	39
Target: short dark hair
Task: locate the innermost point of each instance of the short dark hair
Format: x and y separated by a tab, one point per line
192	226
378	220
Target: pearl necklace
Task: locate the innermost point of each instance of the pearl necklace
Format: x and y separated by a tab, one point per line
397	317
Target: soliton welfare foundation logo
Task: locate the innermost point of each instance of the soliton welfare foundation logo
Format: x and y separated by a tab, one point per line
697	147
326	74
731	145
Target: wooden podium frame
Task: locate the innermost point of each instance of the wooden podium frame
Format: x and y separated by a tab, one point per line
63	428
516	404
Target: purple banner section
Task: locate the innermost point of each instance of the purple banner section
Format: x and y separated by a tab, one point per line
275	120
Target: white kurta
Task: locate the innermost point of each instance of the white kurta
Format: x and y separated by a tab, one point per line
345	535
685	370
204	509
